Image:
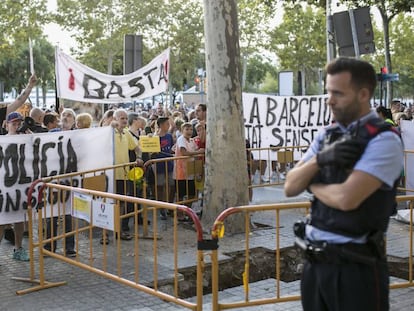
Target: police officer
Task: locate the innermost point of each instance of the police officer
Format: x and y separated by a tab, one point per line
352	168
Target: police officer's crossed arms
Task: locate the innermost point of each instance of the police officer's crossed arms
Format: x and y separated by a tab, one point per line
352	168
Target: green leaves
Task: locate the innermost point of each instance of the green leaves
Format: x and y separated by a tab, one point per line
299	42
20	20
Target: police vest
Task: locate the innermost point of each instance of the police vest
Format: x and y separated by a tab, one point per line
373	214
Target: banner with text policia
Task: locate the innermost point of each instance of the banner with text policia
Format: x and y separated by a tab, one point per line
283	121
78	82
28	157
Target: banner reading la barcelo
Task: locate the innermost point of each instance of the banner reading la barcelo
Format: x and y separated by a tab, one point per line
283	121
78	82
26	158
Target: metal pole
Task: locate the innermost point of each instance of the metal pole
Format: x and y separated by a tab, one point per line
329	55
381	89
354	33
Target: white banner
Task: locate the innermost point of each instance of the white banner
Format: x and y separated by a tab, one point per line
26	158
279	121
407	134
78	82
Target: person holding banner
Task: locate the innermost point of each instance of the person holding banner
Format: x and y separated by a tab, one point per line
20	100
14	122
68	122
67	119
83	121
352	168
51	122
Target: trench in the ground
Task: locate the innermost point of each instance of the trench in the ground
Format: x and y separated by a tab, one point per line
262	267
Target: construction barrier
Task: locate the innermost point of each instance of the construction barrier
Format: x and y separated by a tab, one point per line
89	193
160	185
93	213
275	294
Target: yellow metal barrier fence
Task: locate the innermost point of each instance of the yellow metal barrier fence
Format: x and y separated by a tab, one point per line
55	191
161	186
268	166
277	210
122	262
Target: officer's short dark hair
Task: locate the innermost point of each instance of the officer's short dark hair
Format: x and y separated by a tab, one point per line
362	73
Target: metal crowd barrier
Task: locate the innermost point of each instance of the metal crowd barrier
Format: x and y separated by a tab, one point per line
55	191
56	194
268	166
280	294
158	168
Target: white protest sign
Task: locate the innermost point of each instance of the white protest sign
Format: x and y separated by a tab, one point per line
283	121
78	82
407	134
28	157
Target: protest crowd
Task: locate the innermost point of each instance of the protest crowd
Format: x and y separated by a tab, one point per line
181	131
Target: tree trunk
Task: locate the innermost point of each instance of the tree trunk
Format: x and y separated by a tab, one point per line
226	183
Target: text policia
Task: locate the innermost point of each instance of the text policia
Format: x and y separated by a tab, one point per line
26	158
19	175
284	121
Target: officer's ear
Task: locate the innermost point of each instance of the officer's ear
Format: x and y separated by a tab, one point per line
364	95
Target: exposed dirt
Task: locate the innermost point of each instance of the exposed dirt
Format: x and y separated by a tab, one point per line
261	268
231	270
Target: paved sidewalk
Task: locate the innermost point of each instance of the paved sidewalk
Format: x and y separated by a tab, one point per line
88	291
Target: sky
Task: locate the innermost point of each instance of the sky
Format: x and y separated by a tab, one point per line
56	34
63	39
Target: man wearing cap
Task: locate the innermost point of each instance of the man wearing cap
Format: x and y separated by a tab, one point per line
20	100
14	122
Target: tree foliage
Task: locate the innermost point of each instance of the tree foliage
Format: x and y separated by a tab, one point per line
184	34
101	27
257	70
299	43
20	20
388	10
254	17
14	67
402	32
98	27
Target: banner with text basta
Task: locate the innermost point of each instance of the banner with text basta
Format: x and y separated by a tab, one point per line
78	82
